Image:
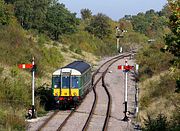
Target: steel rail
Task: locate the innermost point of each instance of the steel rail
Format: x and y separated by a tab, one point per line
94	103
47	120
95	94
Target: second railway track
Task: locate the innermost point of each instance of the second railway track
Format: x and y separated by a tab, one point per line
109	100
89	118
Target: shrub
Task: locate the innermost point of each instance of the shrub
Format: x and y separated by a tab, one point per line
152	60
52	57
42	39
158	124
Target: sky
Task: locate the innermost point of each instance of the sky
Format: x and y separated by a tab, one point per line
115	9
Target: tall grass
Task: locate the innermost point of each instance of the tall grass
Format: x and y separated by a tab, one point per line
15	95
82	40
152	60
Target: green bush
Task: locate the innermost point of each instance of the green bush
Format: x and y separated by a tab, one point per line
158	124
52	57
42	39
161	123
87	42
152	60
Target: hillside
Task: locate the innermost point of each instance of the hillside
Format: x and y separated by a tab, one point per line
56	37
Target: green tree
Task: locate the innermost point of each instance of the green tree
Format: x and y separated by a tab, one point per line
99	26
165	11
140	23
5	13
173	39
60	21
32	14
86	14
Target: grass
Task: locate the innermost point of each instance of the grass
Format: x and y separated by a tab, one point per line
157	95
18	46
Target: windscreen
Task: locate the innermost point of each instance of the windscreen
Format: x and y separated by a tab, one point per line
75	82
65	82
56	81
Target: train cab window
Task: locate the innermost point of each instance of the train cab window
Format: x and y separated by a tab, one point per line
56	81
75	82
65	82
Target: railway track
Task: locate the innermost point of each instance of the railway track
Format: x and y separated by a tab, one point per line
45	123
105	125
94	84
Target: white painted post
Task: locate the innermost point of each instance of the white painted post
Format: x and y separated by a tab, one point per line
137	90
33	85
120	49
117	44
126	87
126	94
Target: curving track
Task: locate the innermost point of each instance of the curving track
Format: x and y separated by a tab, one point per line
106	117
97	114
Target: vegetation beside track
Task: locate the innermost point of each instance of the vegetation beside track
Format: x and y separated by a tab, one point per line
23	36
160	78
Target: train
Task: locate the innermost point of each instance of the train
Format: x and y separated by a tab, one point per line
71	83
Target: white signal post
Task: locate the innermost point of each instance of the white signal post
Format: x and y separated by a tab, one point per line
126	69
31	66
33	85
119	35
126	94
137	89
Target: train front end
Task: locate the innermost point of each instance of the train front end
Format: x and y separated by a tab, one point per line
65	87
70	83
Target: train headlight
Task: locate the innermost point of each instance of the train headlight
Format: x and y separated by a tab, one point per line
55	86
75	94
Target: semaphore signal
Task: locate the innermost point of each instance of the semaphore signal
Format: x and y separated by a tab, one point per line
126	68
33	67
24	66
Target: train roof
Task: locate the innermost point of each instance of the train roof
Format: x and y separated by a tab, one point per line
76	68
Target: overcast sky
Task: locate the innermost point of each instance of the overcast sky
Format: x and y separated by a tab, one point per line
115	9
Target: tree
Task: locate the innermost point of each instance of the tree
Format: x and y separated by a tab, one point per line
60	21
140	23
86	14
173	39
99	26
5	13
32	14
165	11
